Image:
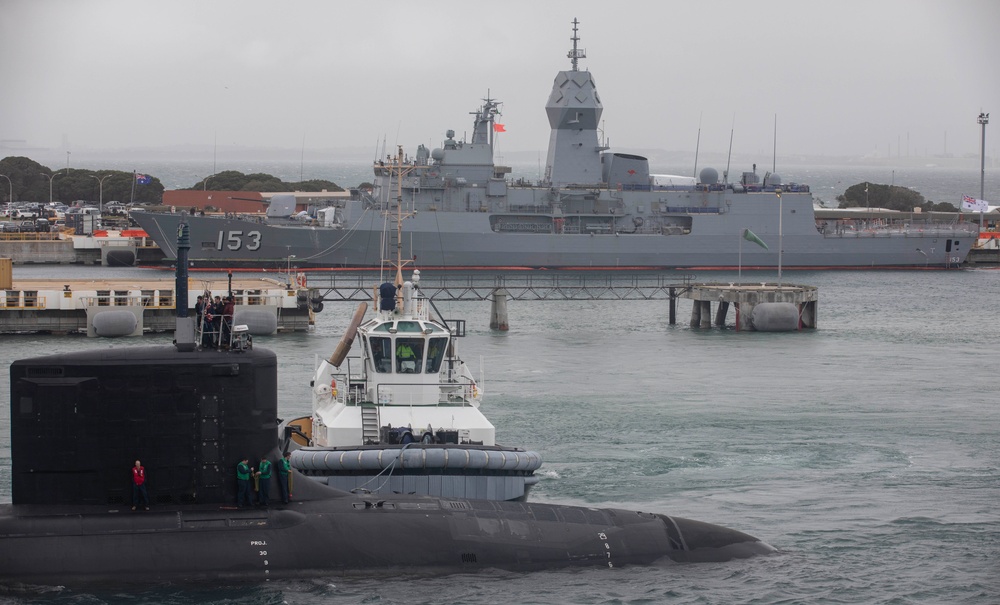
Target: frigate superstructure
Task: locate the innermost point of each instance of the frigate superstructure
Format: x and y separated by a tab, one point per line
594	208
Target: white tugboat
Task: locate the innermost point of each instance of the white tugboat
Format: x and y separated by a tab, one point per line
405	418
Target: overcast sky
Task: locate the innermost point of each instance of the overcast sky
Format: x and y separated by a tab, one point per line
843	77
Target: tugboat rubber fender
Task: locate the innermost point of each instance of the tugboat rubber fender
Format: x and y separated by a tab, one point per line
413	456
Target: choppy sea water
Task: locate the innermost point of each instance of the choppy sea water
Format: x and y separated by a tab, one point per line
866	451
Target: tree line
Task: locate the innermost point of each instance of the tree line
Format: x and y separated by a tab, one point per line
891	197
31	181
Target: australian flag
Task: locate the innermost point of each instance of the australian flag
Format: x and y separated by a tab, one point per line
142	179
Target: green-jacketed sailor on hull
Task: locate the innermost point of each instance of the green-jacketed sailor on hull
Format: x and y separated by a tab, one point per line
593	208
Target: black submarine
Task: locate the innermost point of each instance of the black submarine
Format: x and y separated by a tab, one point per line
79	420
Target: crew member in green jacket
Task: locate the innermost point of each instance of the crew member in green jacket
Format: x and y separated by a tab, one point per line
264	475
243	472
284	473
405	358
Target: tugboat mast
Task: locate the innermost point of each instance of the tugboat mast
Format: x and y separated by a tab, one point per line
399	263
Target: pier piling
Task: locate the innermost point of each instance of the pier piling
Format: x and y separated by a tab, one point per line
498	311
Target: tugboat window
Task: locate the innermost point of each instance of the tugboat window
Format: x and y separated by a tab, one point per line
381	353
409	353
408	326
435	353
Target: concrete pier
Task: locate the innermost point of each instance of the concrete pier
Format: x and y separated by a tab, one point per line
745	298
61	306
64	249
556	286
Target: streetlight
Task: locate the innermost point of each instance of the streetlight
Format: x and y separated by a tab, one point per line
289	270
100	180
11	186
780	247
984	119
50	177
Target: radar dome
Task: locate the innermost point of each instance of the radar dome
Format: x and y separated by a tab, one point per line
438	154
772	180
708	176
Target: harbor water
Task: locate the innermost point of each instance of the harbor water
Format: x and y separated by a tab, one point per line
866	451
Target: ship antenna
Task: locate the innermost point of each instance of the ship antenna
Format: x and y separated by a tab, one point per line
697	146
774	152
576	53
725	175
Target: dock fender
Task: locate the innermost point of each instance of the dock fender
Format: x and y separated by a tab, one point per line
775	317
120	258
344	346
110	324
259	322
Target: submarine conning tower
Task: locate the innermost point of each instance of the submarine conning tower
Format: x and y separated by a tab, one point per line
80	420
574	110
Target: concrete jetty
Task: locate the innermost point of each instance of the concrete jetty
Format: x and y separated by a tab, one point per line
761	306
62	306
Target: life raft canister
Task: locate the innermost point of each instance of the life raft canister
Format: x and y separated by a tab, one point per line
333	387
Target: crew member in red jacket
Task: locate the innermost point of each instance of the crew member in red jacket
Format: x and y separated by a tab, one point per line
139	486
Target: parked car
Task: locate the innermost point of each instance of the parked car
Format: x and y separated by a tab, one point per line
9	228
42	225
27	227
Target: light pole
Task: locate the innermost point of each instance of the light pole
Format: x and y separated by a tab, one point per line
11	186
51	177
289	270
781	215
984	119
100	180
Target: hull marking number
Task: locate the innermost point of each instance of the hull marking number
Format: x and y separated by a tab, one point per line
603	537
234	240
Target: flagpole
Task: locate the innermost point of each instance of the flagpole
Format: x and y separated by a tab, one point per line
741	258
132	201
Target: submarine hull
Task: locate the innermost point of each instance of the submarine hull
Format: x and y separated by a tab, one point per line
57	545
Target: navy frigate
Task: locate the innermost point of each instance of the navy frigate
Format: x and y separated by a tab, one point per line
594	208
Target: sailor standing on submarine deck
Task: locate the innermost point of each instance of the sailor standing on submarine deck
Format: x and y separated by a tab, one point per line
139	486
243	472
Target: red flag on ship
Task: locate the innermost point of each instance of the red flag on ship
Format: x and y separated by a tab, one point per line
498	127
